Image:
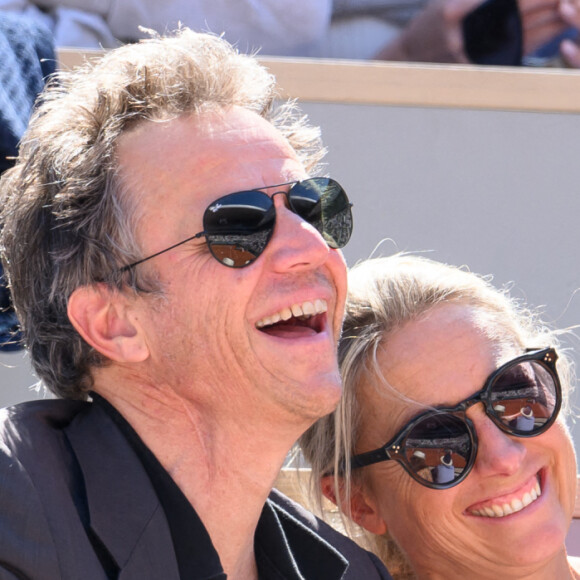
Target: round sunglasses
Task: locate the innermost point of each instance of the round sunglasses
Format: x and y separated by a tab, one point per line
438	448
237	227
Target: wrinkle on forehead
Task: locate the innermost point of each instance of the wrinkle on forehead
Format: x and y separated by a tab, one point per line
249	134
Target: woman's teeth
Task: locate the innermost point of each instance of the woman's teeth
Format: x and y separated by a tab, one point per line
507	508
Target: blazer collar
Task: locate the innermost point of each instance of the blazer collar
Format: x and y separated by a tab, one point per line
297	550
123	509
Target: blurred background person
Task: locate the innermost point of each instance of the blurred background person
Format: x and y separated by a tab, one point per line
435	30
412	30
277	27
28	59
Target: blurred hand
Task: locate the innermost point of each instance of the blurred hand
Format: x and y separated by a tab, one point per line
569	50
435	34
541	21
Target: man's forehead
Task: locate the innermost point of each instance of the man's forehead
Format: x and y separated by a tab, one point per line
189	161
216	124
233	145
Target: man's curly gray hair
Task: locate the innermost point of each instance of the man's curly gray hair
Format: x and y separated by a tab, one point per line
65	219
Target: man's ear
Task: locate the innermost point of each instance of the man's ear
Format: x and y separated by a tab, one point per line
101	315
361	508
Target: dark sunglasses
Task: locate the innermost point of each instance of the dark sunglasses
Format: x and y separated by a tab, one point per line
438	448
238	226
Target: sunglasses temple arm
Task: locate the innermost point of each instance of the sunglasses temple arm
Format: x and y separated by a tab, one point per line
127	268
370	457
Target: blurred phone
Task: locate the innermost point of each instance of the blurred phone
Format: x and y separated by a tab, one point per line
492	33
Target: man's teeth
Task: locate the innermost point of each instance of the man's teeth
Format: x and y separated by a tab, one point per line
304	310
499	511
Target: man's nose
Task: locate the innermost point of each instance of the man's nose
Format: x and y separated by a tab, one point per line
295	244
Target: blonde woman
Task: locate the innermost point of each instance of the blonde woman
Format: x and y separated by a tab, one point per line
449	445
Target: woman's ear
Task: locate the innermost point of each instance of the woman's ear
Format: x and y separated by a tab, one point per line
102	316
359	505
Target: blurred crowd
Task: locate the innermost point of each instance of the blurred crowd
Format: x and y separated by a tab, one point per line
541	31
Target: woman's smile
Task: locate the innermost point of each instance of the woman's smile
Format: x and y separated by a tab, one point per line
507	504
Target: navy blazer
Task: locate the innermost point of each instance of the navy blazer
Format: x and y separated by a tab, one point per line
70	482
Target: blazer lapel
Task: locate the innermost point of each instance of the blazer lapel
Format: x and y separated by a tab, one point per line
124	511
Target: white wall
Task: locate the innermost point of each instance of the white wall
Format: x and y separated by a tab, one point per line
498	191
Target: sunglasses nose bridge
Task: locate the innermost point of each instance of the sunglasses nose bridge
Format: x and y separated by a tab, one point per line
473	414
284	202
482	398
280	203
286	198
479	397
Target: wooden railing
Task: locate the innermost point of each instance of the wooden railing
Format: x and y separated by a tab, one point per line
424	85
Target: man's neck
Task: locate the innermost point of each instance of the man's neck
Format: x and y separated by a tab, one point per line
225	466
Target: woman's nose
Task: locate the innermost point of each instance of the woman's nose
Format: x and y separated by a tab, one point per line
498	453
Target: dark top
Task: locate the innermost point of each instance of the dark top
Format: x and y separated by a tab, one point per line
277	556
194	551
77	501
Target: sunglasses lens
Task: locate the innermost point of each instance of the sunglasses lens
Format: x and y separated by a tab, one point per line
239	226
524	398
323	203
438	449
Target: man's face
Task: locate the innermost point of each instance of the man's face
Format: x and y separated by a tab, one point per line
206	336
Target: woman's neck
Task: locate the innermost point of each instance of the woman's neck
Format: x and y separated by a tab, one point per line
560	567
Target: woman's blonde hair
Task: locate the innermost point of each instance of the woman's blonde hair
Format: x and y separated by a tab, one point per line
385	294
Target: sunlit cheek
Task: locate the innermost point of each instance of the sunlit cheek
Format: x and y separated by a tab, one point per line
424	522
400	498
429	529
388	482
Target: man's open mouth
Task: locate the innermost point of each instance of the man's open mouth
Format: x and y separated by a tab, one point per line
306	317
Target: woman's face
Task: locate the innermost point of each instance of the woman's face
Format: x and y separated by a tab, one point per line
442	359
